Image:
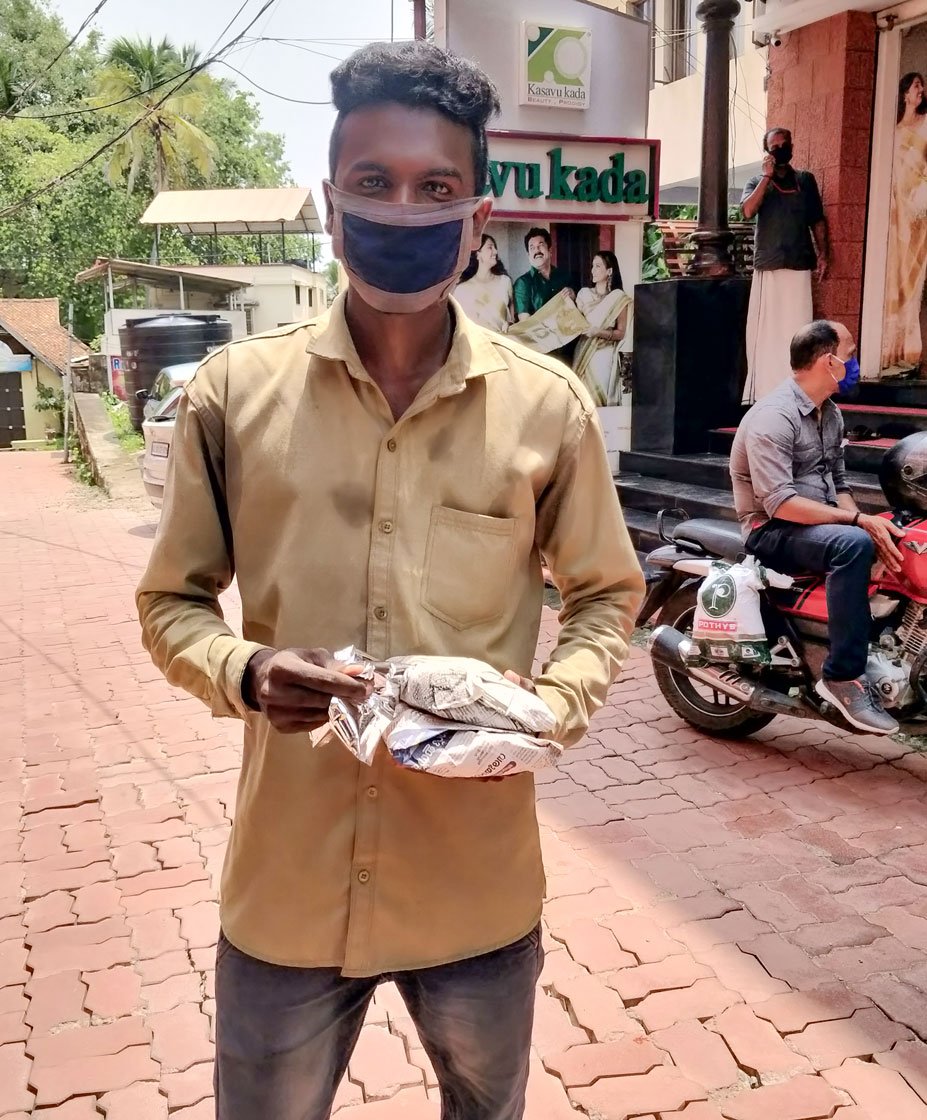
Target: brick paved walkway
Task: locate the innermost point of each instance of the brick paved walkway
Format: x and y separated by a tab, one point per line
734	930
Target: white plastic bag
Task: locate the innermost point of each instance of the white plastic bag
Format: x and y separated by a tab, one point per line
728	622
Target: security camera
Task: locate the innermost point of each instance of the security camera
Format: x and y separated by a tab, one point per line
776	40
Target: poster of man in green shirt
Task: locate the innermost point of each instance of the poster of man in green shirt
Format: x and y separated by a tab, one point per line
543	280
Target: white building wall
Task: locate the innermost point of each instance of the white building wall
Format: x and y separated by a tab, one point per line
675	116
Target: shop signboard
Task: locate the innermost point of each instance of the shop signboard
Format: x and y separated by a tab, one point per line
573	179
556	65
561	255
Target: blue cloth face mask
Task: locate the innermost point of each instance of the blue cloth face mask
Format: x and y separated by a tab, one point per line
850	378
849	382
401	257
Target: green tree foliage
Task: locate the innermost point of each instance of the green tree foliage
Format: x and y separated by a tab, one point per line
45	243
160	103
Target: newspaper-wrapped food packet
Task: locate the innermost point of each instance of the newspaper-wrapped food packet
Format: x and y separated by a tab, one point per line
471	692
420	741
453	717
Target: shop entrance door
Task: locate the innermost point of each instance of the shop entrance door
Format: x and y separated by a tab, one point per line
575	244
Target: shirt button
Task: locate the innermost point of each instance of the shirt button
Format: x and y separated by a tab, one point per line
390	445
380	613
386	526
373	793
363	876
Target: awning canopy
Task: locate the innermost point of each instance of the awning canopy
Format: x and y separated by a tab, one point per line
260	210
159	275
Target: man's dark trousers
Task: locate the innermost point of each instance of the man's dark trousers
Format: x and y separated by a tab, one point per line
284	1035
846	555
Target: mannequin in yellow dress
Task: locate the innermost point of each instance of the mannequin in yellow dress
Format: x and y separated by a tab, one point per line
902	345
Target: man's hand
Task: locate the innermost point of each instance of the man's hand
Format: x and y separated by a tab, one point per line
293	687
884	534
769	164
523	682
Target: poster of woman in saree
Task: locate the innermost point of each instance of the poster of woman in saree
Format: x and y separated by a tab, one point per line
599	361
903	345
485	288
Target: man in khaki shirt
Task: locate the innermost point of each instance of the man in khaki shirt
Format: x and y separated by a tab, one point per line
386	476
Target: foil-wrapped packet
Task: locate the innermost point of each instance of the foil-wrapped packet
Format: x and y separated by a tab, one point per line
448	716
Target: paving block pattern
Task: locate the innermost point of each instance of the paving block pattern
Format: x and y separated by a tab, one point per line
734	930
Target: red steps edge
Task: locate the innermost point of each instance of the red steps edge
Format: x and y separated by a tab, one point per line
852	443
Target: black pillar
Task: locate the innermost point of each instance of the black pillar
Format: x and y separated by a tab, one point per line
713	237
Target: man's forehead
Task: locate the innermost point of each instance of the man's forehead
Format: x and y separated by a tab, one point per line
391	133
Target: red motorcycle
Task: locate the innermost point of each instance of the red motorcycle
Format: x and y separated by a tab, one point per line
733	699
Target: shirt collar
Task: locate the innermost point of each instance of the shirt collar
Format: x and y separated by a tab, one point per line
805	404
472	353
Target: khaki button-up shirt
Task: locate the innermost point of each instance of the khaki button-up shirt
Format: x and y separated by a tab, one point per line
417	535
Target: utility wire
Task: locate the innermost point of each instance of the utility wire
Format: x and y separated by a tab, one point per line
297	46
58	180
748	109
270	92
22	93
107	105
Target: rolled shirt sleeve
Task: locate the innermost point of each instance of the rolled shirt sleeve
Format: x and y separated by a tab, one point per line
770	458
582	534
750	187
191	563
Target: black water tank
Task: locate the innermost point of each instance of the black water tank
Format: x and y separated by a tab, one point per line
148	345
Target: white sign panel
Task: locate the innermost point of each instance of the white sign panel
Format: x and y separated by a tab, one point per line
602	57
556	65
562	178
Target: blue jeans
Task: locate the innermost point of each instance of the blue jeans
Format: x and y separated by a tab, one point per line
845	555
284	1035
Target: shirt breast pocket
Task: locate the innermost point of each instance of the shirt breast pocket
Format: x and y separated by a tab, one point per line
469	560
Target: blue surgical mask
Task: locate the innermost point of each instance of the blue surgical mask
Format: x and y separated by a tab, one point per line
401	257
850	380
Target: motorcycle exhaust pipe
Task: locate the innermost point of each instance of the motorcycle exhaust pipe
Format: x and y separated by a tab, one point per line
676	651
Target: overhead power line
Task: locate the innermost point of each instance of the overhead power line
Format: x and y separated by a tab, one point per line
270	92
58	180
56	59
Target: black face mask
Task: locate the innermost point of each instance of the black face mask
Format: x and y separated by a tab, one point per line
783	154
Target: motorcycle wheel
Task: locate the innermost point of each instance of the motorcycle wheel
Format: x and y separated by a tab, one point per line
699	704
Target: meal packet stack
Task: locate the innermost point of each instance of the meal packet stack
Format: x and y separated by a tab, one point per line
450	716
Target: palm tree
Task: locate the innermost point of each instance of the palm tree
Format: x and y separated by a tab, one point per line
153	84
9	82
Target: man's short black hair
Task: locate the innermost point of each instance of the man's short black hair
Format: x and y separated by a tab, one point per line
421	76
538	232
811	342
786	132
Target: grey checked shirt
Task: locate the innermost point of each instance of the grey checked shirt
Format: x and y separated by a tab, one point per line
786	448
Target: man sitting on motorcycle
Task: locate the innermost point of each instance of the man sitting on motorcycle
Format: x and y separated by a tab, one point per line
798	514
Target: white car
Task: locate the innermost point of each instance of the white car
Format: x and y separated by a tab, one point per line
169	379
158	431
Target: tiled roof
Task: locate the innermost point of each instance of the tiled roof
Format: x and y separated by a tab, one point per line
35	323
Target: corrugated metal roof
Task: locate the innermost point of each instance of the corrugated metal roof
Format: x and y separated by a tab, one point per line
195	280
255	210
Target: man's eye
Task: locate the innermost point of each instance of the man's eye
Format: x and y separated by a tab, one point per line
372	183
436	188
